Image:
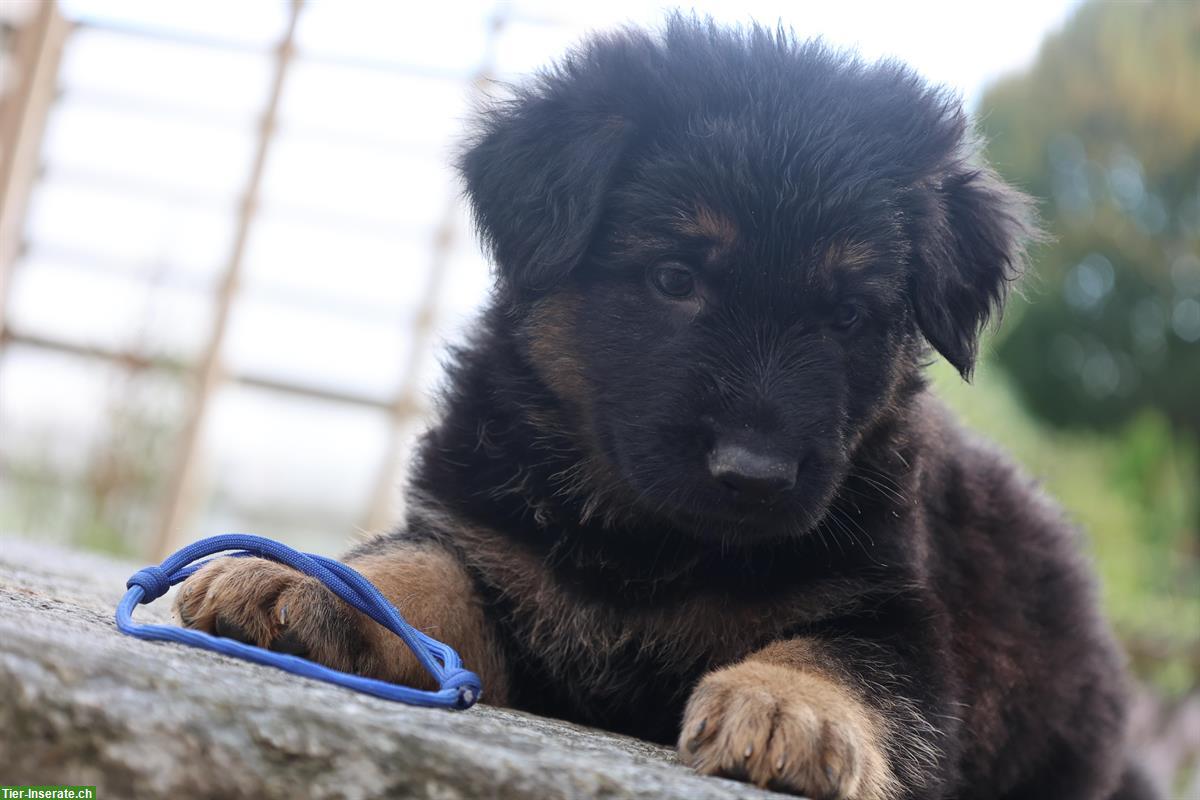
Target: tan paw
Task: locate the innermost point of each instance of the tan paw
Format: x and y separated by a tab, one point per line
267	604
790	730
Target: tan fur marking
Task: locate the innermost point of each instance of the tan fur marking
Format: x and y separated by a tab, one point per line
718	229
716	226
779	719
849	256
553	350
434	593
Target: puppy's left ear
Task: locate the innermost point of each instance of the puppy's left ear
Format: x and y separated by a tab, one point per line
536	175
970	236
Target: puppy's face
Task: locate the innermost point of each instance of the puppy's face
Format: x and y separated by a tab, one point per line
726	357
725	293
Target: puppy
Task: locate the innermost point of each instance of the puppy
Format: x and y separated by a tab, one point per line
688	482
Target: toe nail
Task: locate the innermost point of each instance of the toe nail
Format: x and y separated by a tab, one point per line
749	751
779	764
283	615
700	727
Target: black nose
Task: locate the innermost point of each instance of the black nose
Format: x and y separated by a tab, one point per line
753	473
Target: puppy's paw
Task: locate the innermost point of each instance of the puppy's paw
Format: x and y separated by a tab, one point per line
267	604
791	730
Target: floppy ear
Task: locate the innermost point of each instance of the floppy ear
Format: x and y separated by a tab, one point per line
969	245
536	175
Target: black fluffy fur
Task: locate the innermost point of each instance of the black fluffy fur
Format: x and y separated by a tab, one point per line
794	181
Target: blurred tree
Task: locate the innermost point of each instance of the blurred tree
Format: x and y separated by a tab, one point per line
1105	130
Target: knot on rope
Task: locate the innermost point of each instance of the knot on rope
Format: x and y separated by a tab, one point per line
153	580
465	683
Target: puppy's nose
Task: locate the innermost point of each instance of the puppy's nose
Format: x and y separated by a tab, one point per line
753	473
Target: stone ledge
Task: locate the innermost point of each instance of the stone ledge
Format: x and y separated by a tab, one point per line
84	704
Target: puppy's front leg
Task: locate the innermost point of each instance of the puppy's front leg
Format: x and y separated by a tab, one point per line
779	719
267	604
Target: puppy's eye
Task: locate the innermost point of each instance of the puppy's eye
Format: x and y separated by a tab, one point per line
846	316
673	280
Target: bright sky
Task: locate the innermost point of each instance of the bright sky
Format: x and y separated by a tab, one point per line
963	44
960	44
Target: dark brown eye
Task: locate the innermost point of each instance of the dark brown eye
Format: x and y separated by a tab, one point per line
673	280
846	316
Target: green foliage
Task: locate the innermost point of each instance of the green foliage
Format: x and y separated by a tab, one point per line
105	497
1105	128
1103	349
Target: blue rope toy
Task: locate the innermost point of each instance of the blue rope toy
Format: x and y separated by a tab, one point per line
458	688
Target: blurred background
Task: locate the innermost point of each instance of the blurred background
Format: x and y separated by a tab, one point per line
232	250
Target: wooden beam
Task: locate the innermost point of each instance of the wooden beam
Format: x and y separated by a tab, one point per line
36	52
139	361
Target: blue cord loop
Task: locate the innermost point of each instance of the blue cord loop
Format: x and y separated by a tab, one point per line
459	688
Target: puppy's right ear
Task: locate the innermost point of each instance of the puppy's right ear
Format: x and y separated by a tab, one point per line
536	175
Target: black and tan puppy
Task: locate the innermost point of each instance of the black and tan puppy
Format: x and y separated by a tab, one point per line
688	483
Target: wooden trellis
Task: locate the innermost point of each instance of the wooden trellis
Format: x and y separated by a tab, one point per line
38	42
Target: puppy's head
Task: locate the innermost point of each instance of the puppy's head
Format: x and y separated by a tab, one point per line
728	250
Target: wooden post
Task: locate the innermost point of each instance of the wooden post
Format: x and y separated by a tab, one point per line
183	487
36	52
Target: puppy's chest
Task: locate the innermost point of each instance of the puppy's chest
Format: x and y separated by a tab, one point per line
625	658
617	638
626	624
583	621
